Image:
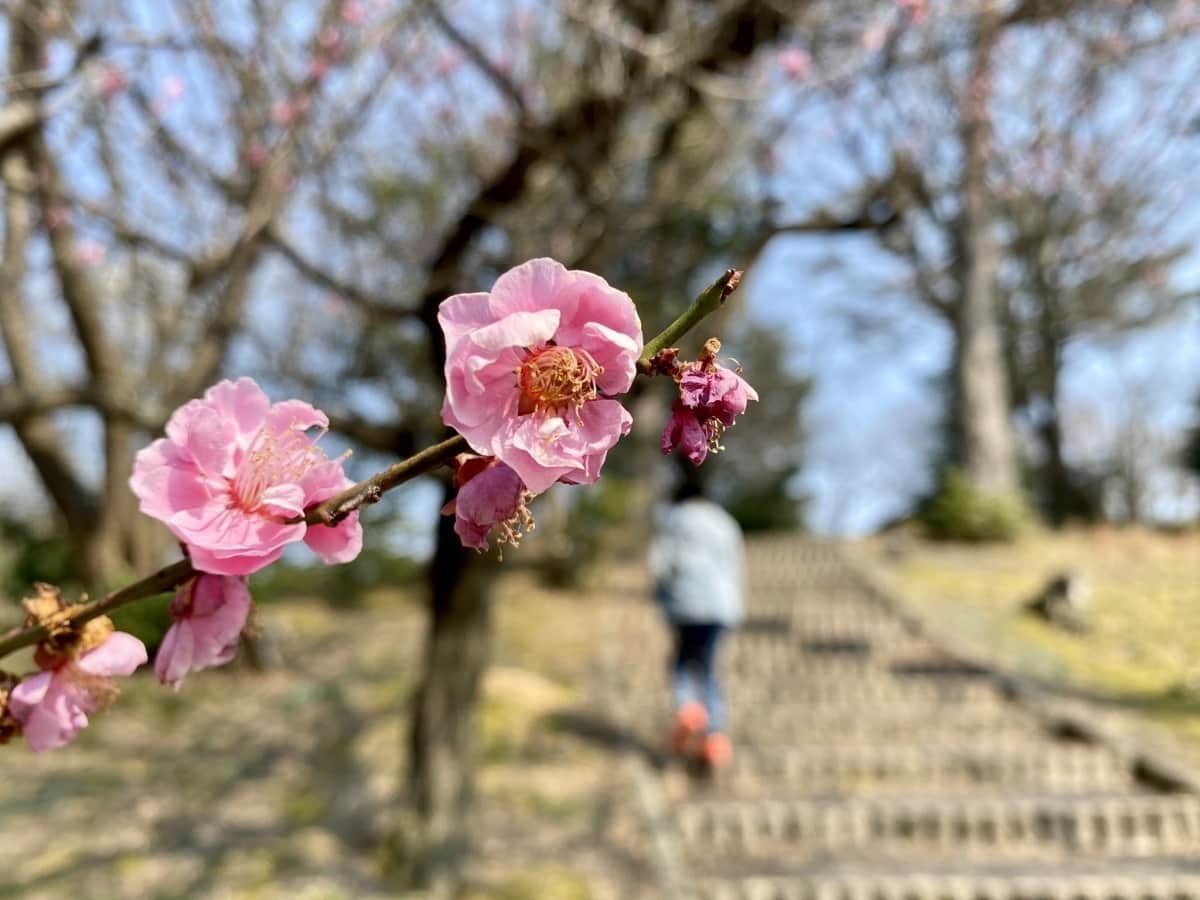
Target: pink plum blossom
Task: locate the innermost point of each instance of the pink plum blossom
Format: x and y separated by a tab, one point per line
57	215
917	11
874	36
329	37
173	87
491	497
531	368
795	62
710	399
257	155
53	705
284	112
209	613
447	63
89	252
233	477
318	68
112	81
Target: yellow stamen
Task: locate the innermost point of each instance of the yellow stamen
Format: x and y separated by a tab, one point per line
555	379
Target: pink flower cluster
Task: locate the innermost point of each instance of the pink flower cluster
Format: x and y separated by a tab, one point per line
76	669
710	400
491	498
210	613
532	368
53	705
233	478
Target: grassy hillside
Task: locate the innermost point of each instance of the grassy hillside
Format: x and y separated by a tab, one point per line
1143	650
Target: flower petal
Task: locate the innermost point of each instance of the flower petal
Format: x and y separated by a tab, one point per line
174	657
462	314
534	286
338	544
121	654
241	564
243	403
29	693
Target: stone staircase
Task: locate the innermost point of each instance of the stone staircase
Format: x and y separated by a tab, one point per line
871	764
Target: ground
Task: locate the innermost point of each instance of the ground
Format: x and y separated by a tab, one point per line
277	784
1143	651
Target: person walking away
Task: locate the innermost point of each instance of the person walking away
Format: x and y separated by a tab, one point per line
697	560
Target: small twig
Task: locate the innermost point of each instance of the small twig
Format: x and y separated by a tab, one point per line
709	301
332	511
161	581
329	512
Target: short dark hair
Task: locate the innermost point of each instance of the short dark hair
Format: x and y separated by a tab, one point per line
691	482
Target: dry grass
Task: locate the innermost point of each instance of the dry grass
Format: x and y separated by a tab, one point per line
280	784
1143	651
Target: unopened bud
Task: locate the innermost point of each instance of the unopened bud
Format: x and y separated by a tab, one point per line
9	727
65	640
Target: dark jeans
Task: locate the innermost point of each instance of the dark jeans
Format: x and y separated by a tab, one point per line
694	670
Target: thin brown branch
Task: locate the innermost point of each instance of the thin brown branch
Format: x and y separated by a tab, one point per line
370	491
329	512
360	298
335	509
475	53
160	582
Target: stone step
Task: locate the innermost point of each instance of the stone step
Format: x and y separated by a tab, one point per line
1122	880
806	724
781	667
802	619
910	661
1017	762
1028	828
817	698
868	690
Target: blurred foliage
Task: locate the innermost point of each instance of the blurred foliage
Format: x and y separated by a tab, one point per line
595	523
1191	452
148	620
957	511
766	507
31	555
338	586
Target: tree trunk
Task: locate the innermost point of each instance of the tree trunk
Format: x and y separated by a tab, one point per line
981	391
434	837
1060	500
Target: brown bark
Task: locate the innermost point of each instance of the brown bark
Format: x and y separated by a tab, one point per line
41	440
981	389
443	751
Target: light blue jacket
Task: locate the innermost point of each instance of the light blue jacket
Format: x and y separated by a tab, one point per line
698	562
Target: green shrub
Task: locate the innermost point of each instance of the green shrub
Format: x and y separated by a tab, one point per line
338	586
147	620
959	512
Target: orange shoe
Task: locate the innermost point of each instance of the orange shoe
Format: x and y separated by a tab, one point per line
690	721
717	751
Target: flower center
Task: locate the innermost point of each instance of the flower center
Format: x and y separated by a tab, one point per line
280	456
554	379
